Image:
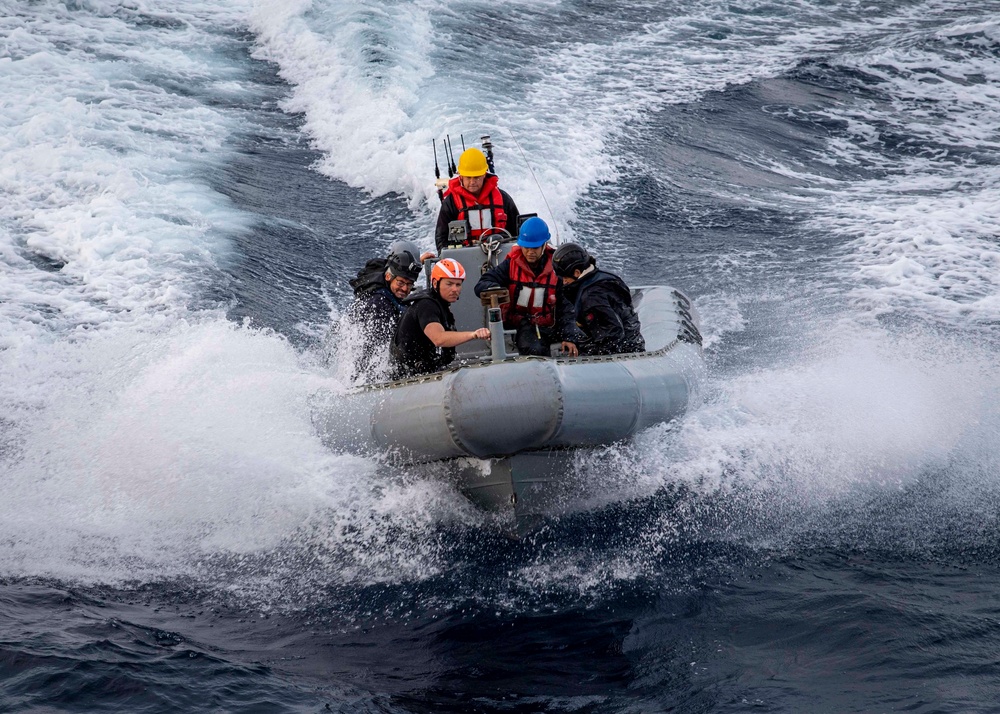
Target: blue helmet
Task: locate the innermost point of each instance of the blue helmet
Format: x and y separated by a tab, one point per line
533	234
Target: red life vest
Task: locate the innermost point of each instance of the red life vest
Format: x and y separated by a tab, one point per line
482	212
532	297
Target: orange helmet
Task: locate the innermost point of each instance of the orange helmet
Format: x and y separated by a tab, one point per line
447	268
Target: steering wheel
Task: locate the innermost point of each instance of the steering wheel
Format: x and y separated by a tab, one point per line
490	241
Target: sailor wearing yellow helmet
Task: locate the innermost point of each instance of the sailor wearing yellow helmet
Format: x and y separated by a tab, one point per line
426	338
473	196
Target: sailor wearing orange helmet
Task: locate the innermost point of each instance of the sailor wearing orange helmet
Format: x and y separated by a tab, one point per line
426	338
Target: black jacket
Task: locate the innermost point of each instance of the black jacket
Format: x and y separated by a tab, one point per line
565	318
604	312
449	213
376	313
412	351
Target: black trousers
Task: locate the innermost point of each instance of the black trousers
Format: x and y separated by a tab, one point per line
534	340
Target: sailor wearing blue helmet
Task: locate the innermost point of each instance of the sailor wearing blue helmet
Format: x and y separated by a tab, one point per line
538	310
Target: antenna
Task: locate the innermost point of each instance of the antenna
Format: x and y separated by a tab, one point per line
488	148
555	227
452	169
437	171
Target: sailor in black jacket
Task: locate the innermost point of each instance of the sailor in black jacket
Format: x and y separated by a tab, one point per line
603	303
379	290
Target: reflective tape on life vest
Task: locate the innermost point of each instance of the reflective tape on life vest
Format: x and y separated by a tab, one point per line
531	296
480	219
524	298
483	212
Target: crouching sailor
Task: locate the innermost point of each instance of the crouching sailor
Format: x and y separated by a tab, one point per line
538	310
379	290
603	303
426	339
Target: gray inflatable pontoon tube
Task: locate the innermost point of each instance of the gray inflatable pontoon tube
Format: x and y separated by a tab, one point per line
487	409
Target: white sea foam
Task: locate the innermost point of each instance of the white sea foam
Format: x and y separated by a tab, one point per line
155	453
168	438
104	170
375	86
860	410
141	434
924	234
358	70
166	435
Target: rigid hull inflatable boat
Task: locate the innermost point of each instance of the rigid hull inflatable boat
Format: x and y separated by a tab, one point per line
506	425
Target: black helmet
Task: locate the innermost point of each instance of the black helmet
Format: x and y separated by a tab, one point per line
569	257
403	260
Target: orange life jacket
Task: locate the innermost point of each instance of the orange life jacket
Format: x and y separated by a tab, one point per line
482	212
532	297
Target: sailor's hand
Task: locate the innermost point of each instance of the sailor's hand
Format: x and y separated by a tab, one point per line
482	333
425	256
570	348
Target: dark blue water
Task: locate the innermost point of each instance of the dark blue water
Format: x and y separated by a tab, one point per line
819	534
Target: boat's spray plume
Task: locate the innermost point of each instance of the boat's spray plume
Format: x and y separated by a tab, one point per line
555	227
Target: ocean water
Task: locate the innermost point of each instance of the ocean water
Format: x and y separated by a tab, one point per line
186	191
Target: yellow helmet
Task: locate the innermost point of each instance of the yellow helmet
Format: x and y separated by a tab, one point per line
472	162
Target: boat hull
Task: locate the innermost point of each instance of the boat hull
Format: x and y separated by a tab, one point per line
485	409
